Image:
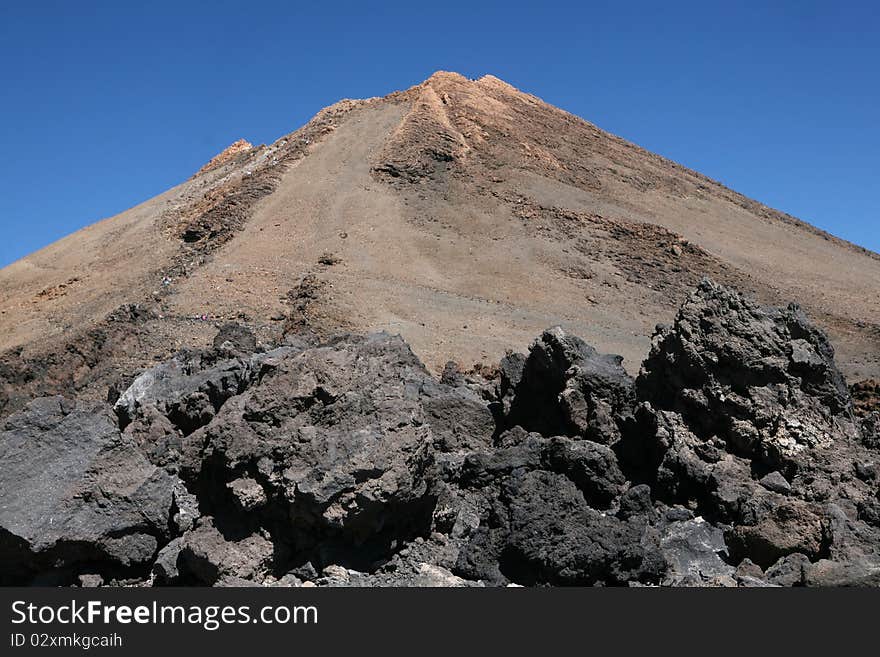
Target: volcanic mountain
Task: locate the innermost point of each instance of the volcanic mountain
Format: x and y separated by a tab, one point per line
465	215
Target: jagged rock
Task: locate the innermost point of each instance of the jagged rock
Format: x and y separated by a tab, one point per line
565	387
745	417
341	439
452	374
869	511
247	493
167	403
510	371
418	575
790	570
866	470
870	428
459	418
235	338
183	391
748	581
532	512
209	557
733	460
75	493
555	537
826	572
412	574
590	466
636	502
434	576
747	568
186	507
165	570
781	527
305	572
763	379
775	482
695	552
286	581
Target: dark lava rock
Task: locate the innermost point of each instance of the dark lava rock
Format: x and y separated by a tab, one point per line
76	495
336	446
534	513
790	570
207	557
764	380
565	387
735	459
696	553
780	528
775	482
172	400
235	337
745	417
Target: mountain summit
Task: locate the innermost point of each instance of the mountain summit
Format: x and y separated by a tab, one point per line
465	215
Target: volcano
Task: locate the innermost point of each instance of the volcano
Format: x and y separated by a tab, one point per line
465	215
383	351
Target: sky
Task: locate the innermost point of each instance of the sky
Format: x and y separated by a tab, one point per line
106	104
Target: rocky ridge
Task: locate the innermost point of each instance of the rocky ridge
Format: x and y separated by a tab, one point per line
735	458
232	151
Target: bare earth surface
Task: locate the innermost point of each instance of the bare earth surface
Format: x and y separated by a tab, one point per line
465	215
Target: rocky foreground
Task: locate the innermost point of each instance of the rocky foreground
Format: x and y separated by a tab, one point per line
734	459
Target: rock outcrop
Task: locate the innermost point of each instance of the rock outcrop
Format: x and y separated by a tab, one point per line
232	151
734	459
77	496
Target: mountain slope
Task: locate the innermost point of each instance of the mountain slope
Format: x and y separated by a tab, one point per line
465	215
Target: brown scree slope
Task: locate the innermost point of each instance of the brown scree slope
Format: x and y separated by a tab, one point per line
465	215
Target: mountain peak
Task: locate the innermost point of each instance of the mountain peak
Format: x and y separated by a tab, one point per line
463	214
448	76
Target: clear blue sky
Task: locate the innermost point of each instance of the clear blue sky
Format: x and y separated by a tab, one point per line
105	104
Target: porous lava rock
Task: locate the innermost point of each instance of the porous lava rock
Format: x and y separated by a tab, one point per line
734	459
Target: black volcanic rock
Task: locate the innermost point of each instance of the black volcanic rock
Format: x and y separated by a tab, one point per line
745	418
235	337
335	444
76	494
763	380
565	387
733	460
531	522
